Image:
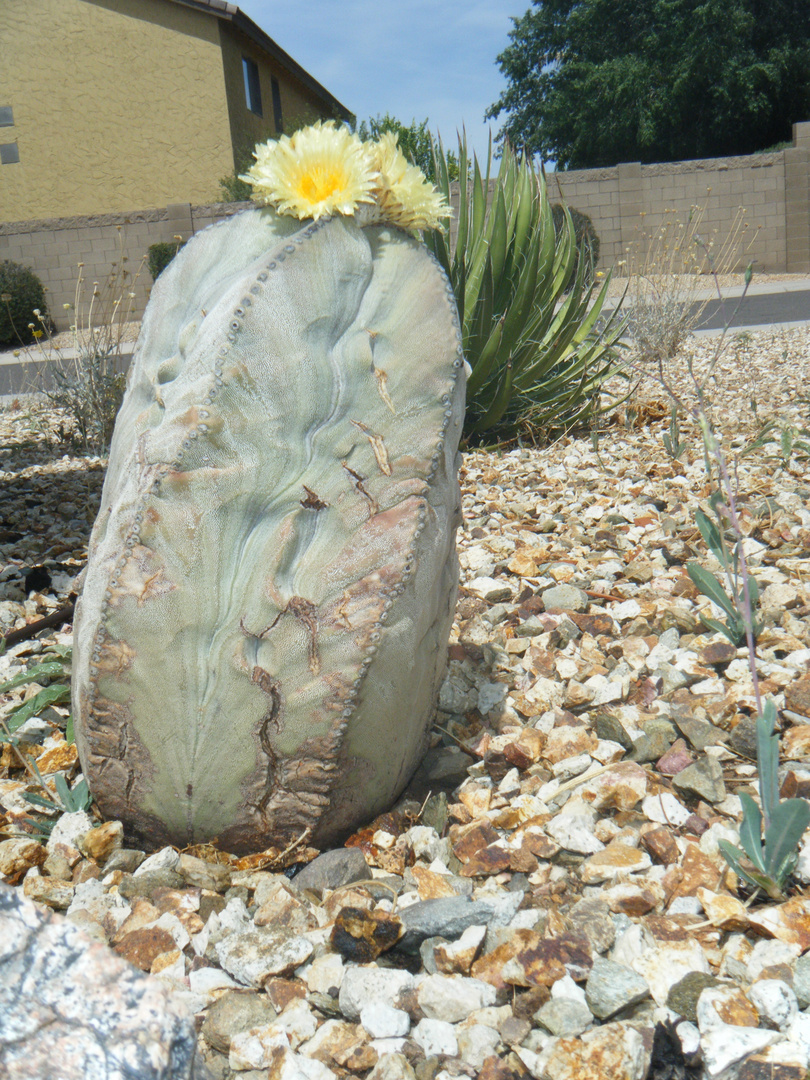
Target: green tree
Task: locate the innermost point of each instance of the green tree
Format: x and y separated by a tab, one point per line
415	142
595	82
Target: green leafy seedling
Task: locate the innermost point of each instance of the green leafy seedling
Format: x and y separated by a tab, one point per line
672	438
771	854
56	665
732	602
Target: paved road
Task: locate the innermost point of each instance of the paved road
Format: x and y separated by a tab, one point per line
764	305
763	309
33	378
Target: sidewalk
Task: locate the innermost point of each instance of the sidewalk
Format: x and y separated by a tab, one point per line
765	306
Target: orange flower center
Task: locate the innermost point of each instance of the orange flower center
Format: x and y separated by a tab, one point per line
320	183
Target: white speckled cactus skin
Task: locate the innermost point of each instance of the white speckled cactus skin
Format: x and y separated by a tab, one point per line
271	580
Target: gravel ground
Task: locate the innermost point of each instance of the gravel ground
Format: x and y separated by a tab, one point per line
549	898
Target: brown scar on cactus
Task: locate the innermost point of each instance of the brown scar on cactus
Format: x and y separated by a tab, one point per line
382	386
359	480
313	501
377	445
307	613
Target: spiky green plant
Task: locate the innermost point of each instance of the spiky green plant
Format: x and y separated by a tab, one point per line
539	354
769	837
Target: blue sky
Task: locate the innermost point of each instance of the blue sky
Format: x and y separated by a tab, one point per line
412	58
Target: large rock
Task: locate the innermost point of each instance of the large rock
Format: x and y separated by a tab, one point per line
71	1008
271	580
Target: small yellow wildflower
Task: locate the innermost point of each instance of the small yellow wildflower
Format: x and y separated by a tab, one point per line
319	170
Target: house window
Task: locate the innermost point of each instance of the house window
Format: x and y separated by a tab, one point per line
6	116
278	119
9	153
253	91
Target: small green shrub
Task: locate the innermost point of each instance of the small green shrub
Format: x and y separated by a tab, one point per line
585	236
160	255
233	189
23	296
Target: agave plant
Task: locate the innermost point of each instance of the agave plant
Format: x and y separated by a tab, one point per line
530	323
769	837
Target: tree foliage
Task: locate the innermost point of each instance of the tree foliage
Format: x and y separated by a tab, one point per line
596	82
415	142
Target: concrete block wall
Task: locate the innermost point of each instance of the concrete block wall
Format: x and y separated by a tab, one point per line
106	244
627	204
630	203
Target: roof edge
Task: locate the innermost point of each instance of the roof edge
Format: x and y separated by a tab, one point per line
237	18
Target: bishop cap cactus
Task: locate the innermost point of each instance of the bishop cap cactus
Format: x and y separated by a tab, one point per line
271	580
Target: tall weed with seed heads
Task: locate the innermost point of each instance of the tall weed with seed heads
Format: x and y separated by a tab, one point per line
89	385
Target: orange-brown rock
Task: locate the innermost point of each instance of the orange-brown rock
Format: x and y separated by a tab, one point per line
472	838
282	992
696	869
661	845
101	842
361	936
488	861
430	885
141	947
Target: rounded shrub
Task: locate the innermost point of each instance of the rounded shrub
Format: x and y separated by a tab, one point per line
21	294
585	235
160	255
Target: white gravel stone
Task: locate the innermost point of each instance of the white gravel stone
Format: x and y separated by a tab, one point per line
567	988
65	835
775	1002
453	998
324	973
727	1044
435	1037
770	953
382	1021
255	955
165	859
476	1043
664	965
664	809
574	832
364	985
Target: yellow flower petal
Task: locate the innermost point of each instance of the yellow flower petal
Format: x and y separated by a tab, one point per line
404	196
322	169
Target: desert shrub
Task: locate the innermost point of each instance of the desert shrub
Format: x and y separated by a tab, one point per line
23	298
585	236
234	189
160	255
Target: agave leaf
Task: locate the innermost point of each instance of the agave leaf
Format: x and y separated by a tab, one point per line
710	586
734	856
64	793
751	831
768	760
719	628
711	534
788	823
39	800
499	405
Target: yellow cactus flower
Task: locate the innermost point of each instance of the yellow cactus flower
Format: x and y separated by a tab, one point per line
404	196
322	169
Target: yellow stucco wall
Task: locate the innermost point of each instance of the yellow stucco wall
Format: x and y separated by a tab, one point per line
118	104
299	106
